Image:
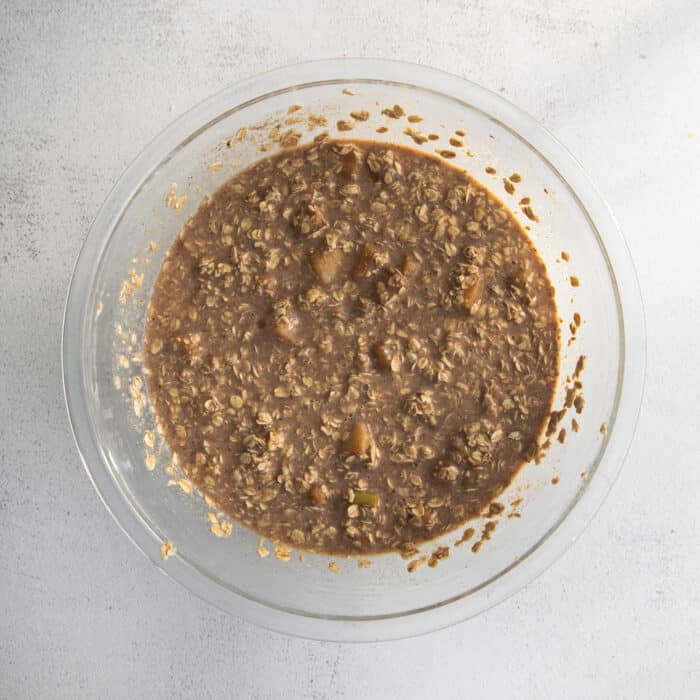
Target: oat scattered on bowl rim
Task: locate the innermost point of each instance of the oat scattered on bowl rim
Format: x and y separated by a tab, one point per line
167	549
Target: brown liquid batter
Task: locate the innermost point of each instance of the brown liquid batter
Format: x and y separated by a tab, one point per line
352	347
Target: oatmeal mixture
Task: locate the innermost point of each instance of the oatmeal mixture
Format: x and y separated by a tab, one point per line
352	347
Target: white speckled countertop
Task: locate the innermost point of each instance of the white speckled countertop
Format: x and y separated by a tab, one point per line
82	89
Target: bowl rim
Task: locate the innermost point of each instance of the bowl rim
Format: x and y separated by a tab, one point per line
630	315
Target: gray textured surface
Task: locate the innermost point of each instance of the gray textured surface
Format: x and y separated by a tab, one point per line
82	89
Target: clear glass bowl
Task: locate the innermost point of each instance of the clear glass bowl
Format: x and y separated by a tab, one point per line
304	597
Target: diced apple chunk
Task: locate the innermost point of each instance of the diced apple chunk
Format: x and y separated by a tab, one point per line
359	440
288	329
326	264
471	296
382	355
317	495
366	498
364	260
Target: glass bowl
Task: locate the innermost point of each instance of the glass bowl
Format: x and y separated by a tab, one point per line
105	316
